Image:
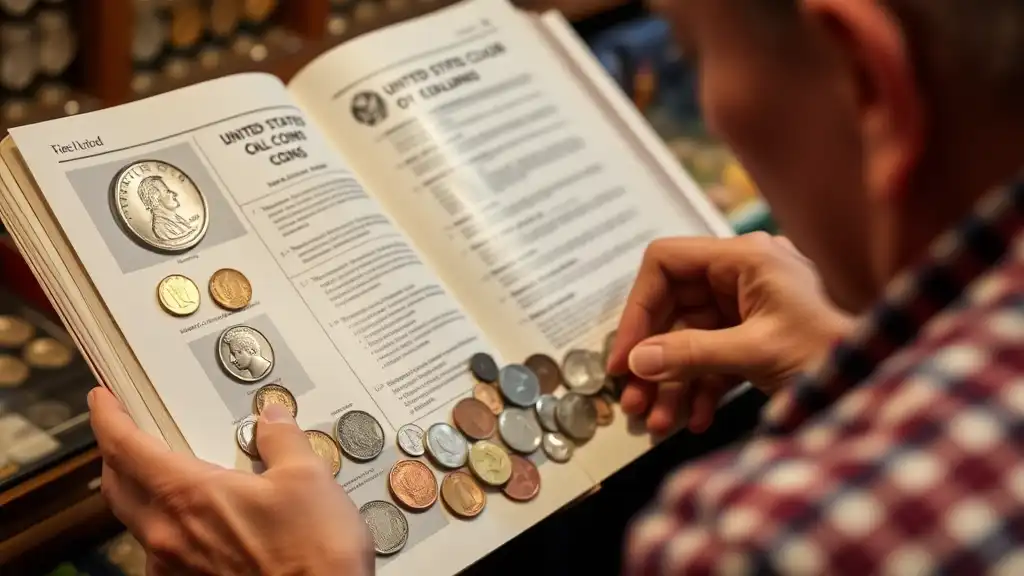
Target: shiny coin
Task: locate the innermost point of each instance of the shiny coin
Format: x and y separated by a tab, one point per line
245	435
558	447
605	414
545	408
463	496
15	332
178	295
410	440
584	372
159	206
519	430
360	435
576	416
13	372
274	394
489	396
547	371
483	368
413	484
447	446
388	526
48	413
525	482
245	353
490	463
519	385
474	419
257	11
47	353
326	448
230	289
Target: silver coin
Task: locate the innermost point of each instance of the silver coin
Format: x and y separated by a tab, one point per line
545	408
584	371
519	430
519	385
576	416
558	447
48	413
447	446
245	435
360	435
150	35
388	526
410	440
159	206
245	353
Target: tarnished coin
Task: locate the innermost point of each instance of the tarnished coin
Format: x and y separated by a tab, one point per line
576	416
230	289
326	448
245	353
489	396
483	368
178	295
48	413
245	435
159	205
584	371
558	447
410	440
389	527
360	435
525	482
13	372
257	11
274	394
605	414
547	371
446	446
47	354
519	385
490	463
519	430
413	484
545	408
474	419
15	332
463	496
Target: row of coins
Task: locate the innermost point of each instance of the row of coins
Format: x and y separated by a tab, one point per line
36	352
23	8
39	49
179	296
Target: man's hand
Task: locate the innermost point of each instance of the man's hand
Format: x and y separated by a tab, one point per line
706	314
196	518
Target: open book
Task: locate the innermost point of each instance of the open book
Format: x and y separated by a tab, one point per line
468	181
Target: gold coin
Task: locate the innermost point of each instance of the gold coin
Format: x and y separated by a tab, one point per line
326	448
490	396
230	289
178	295
224	16
463	496
47	353
14	332
13	372
274	394
186	23
490	463
258	10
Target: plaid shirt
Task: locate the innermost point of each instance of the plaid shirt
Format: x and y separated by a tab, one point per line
904	455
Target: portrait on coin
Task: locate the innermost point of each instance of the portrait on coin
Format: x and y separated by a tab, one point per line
162	204
466	493
386	527
246	353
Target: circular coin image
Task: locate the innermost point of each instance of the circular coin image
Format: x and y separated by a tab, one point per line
48	413
14	332
326	448
547	371
489	396
519	385
474	419
245	435
47	354
446	446
576	416
178	295
159	206
245	353
519	430
410	440
360	435
463	496
483	368
13	372
605	414
274	394
545	408
558	447
584	371
388	526
525	482
230	289
413	484
490	463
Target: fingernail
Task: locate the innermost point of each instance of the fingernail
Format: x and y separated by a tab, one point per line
276	413
647	360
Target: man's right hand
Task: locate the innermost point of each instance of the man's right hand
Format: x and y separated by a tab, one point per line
706	314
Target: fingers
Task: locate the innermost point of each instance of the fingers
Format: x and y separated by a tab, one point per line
279	439
123	446
637	396
667	408
123	499
685	354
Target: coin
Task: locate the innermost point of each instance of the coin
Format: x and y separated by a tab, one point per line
525	482
48	413
410	440
13	372
584	371
605	414
15	332
388	526
483	368
547	371
58	42
47	353
462	494
519	430
576	416
545	408
274	394
230	289
557	447
178	295
257	11
446	446
326	448
224	17
519	385
245	435
186	23
490	463
149	35
245	353
360	435
489	396
474	419
159	206
413	484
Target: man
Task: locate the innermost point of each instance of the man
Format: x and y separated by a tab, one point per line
875	128
163	204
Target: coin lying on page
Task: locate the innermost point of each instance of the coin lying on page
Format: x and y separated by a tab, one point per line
178	295
159	206
245	353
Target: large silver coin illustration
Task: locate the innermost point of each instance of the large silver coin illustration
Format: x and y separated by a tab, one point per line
245	353
159	206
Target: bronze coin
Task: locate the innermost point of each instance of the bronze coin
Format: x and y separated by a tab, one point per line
605	414
490	396
15	332
474	419
47	353
230	289
274	394
187	24
525	482
463	496
413	484
547	371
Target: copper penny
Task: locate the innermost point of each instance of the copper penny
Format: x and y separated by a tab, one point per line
413	484
463	496
525	482
230	289
490	396
605	415
474	419
547	371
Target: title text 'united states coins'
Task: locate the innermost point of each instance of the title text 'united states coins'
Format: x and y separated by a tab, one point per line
410	440
388	526
519	385
245	435
47	354
463	496
446	446
159	206
178	295
474	419
490	463
519	430
245	353
547	371
545	409
326	448
558	447
13	372
576	416
483	367
15	332
525	482
230	289
583	371
413	484
360	435
274	394
490	396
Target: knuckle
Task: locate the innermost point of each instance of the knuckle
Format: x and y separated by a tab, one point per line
178	496
159	539
759	240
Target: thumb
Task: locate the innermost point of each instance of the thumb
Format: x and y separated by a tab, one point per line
279	440
685	354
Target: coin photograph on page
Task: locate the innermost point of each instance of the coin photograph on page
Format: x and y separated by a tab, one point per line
245	353
159	206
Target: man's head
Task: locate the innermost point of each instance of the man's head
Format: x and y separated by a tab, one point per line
244	348
154	192
869	125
